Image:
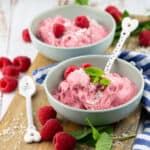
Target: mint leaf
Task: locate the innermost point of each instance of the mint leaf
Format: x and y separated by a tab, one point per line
105	81
104	142
82	2
94	71
95	132
126	14
80	134
95	79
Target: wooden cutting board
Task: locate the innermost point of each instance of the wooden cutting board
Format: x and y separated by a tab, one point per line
13	125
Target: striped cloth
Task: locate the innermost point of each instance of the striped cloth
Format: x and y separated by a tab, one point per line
142	62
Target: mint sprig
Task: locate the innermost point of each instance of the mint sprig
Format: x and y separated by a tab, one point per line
100	137
82	2
97	75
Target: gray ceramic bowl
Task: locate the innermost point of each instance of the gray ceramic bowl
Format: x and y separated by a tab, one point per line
57	53
97	117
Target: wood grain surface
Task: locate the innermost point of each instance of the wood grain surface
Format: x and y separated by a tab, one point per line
13	125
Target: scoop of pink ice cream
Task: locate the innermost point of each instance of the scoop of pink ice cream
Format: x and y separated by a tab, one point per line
74	36
77	91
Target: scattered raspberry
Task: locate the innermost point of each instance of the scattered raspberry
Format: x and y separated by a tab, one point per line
64	141
50	128
8	84
45	113
4	61
144	38
58	29
115	12
82	21
86	65
10	71
22	63
69	70
26	36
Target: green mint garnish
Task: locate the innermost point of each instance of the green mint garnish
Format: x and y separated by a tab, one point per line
104	81
82	2
97	75
94	71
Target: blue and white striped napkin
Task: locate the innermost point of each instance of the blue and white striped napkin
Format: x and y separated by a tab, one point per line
142	62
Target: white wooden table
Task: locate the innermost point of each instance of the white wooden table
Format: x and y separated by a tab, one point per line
15	15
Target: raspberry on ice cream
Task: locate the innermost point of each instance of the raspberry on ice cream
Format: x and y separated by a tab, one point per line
82	21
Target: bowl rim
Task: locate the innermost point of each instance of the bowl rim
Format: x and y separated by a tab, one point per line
33	36
140	92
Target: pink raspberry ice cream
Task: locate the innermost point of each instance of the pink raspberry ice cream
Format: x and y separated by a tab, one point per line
74	36
78	91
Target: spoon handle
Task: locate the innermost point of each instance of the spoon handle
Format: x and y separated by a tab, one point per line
29	112
128	25
31	135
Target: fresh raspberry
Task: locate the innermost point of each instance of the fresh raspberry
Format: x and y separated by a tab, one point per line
8	84
64	141
50	128
58	30
82	21
11	71
4	61
45	113
114	12
26	36
22	63
69	70
144	38
86	65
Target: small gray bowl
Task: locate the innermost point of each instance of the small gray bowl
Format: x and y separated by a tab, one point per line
97	117
71	11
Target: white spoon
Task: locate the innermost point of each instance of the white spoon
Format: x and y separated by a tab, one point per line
128	25
27	89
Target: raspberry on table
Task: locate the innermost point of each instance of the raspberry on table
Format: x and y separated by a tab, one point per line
82	21
86	65
26	36
8	84
45	113
50	128
144	38
114	12
11	71
70	69
58	30
64	141
22	63
4	61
